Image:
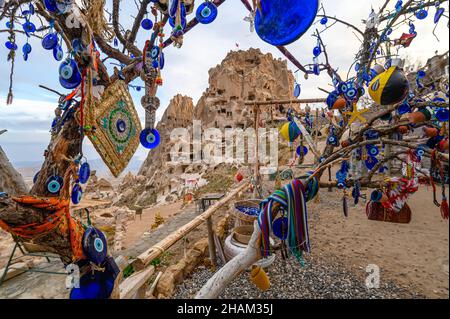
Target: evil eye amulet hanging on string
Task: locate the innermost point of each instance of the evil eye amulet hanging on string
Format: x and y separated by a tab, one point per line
206	12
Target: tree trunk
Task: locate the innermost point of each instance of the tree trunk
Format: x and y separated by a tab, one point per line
63	146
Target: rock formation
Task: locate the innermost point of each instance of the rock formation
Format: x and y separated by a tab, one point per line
242	76
11	181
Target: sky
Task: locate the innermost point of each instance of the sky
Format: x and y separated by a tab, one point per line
28	119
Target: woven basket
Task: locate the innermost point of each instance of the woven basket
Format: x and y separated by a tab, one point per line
242	218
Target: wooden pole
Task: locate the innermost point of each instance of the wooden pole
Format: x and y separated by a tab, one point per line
211	243
144	259
256	127
300	101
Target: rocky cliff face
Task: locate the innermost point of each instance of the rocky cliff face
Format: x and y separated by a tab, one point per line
242	76
11	181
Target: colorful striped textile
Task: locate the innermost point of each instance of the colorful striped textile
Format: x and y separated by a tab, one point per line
292	201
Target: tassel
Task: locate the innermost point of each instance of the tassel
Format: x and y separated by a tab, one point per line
9	99
444	208
345	205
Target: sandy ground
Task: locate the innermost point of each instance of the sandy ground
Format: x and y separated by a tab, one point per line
138	227
414	254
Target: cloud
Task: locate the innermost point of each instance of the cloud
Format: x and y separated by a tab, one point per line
186	70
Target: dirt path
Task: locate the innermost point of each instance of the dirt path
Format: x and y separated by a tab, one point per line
136	244
137	228
415	255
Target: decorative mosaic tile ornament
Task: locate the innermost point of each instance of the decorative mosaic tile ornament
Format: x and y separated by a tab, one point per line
114	127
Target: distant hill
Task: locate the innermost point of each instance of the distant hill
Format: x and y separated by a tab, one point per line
29	168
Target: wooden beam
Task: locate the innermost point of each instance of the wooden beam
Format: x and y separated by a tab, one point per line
300	101
144	259
130	286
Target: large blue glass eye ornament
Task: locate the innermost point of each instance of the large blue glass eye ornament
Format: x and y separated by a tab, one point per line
84	173
77	194
69	74
147	24
281	22
206	12
150	138
50	41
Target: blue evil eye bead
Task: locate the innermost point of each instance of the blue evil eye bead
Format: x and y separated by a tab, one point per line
36	176
317	51
50	41
138	88
404	108
342	88
376	196
162	61
421	74
150	138
8	24
84	173
281	22
121	126
63	7
420	152
154	52
332	140
173	8
66	72
422	14
26	49
438	15
297	90
398	5
29	27
442	115
77	194
299	150
206	13
50	5
389	31
95	245
155	64
370	162
371	135
351	93
11	46
77	45
54	184
69	74
116	42
357	67
372	150
58	53
280	228
324	21
147	24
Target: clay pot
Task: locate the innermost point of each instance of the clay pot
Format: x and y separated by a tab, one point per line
416	117
340	103
403	129
345	143
430	131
